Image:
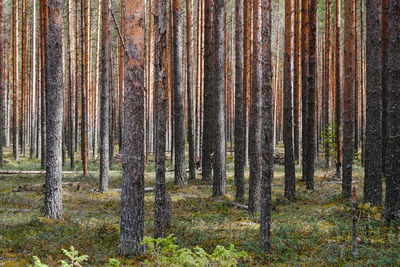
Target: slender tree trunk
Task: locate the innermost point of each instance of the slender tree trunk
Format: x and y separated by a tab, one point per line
290	179
384	51
239	122
267	127
256	112
161	94
327	83
208	102
356	81
189	85
373	159
338	96
2	87
311	85
121	76
392	205
105	93
72	77
305	29
97	81
54	102
179	122
348	96
296	83
132	198
15	79
84	50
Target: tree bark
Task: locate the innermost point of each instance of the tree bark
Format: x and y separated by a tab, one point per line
392	206
338	96
179	116
348	96
296	82
305	29
373	159
267	128
290	179
208	102
54	102
161	94
132	198
384	51
239	125
2	87
84	74
256	112
105	94
15	79
189	85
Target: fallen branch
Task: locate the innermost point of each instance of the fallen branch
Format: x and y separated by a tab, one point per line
234	204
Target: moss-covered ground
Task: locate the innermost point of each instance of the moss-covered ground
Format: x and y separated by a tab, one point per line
313	230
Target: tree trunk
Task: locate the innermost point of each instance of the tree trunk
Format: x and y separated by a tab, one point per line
161	94
311	85
208	102
179	122
305	29
384	32
2	87
256	112
84	51
296	83
72	77
105	94
15	79
54	102
189	67
373	159
267	128
290	179
348	96
239	125
132	198
392	206
338	96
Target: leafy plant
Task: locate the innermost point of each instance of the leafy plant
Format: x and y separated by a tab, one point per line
329	140
74	258
164	252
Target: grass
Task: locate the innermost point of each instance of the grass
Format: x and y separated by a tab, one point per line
315	229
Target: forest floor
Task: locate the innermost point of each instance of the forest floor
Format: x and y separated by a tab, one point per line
315	229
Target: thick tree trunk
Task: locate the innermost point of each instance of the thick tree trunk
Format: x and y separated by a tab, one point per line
311	89
132	198
267	127
189	85
219	181
239	125
54	102
373	159
392	206
290	179
161	94
208	101
105	94
179	114
256	112
348	97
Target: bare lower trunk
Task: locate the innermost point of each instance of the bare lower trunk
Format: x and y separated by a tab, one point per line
54	102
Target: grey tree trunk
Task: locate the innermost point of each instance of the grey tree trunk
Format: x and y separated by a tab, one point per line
208	102
219	182
132	198
373	145
255	118
105	94
239	127
267	128
308	171
54	102
179	116
305	28
161	94
189	85
392	206
290	179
